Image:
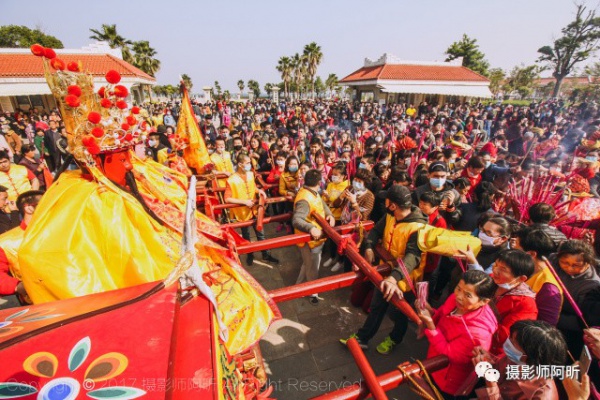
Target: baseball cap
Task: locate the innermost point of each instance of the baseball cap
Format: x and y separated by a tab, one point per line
399	195
438	166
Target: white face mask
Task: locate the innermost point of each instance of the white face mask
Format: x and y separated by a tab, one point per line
152	143
336	178
512	353
281	163
486	240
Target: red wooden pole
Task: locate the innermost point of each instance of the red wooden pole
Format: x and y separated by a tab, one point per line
321	285
290	240
365	369
260	215
351	251
388	381
267	220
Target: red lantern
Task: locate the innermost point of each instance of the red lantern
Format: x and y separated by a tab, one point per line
72	100
49	53
113	77
121	104
57	64
37	50
74	90
73	66
94	117
121	91
98	132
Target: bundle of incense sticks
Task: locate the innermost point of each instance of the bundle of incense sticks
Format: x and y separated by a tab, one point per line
530	191
422	292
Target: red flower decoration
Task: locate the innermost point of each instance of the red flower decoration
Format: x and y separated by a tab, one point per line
121	104
58	64
98	132
102	92
106	103
74	90
125	127
113	77
37	49
121	91
49	53
72	100
135	110
88	140
128	137
73	66
94	117
93	149
131	120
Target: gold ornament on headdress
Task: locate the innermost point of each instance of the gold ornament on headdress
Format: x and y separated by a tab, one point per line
96	123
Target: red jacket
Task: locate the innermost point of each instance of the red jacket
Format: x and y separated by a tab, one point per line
515	305
455	337
474	181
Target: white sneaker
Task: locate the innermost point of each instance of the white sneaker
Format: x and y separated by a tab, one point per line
327	263
337	267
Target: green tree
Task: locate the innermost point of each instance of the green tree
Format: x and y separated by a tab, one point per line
254	87
496	76
144	57
15	36
240	85
521	79
319	86
468	49
285	68
108	33
217	88
314	56
578	42
268	88
187	81
331	83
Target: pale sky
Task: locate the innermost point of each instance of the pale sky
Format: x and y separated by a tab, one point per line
231	40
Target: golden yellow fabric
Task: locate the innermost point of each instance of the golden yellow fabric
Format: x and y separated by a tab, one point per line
89	236
15	181
315	204
335	190
195	154
540	278
447	242
10	242
395	237
288	182
222	163
243	190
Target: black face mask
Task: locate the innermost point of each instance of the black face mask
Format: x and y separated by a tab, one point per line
237	147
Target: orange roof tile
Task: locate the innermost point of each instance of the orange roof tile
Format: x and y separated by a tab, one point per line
29	66
406	72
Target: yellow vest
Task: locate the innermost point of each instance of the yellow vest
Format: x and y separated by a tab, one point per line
15	181
287	182
10	242
315	204
335	190
243	191
395	237
162	156
222	163
538	279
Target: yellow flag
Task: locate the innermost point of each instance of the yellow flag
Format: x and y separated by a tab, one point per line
195	154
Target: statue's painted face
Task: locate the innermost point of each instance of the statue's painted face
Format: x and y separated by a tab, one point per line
116	165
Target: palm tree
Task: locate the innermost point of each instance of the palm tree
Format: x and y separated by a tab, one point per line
331	82
109	34
218	88
299	69
284	66
314	56
241	87
268	88
143	57
187	81
254	87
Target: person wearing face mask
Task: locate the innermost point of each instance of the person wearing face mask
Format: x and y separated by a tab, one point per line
241	189
494	233
475	166
158	150
514	300
531	343
307	203
491	170
450	198
398	233
335	188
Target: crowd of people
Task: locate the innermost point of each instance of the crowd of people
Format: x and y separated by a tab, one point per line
524	180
